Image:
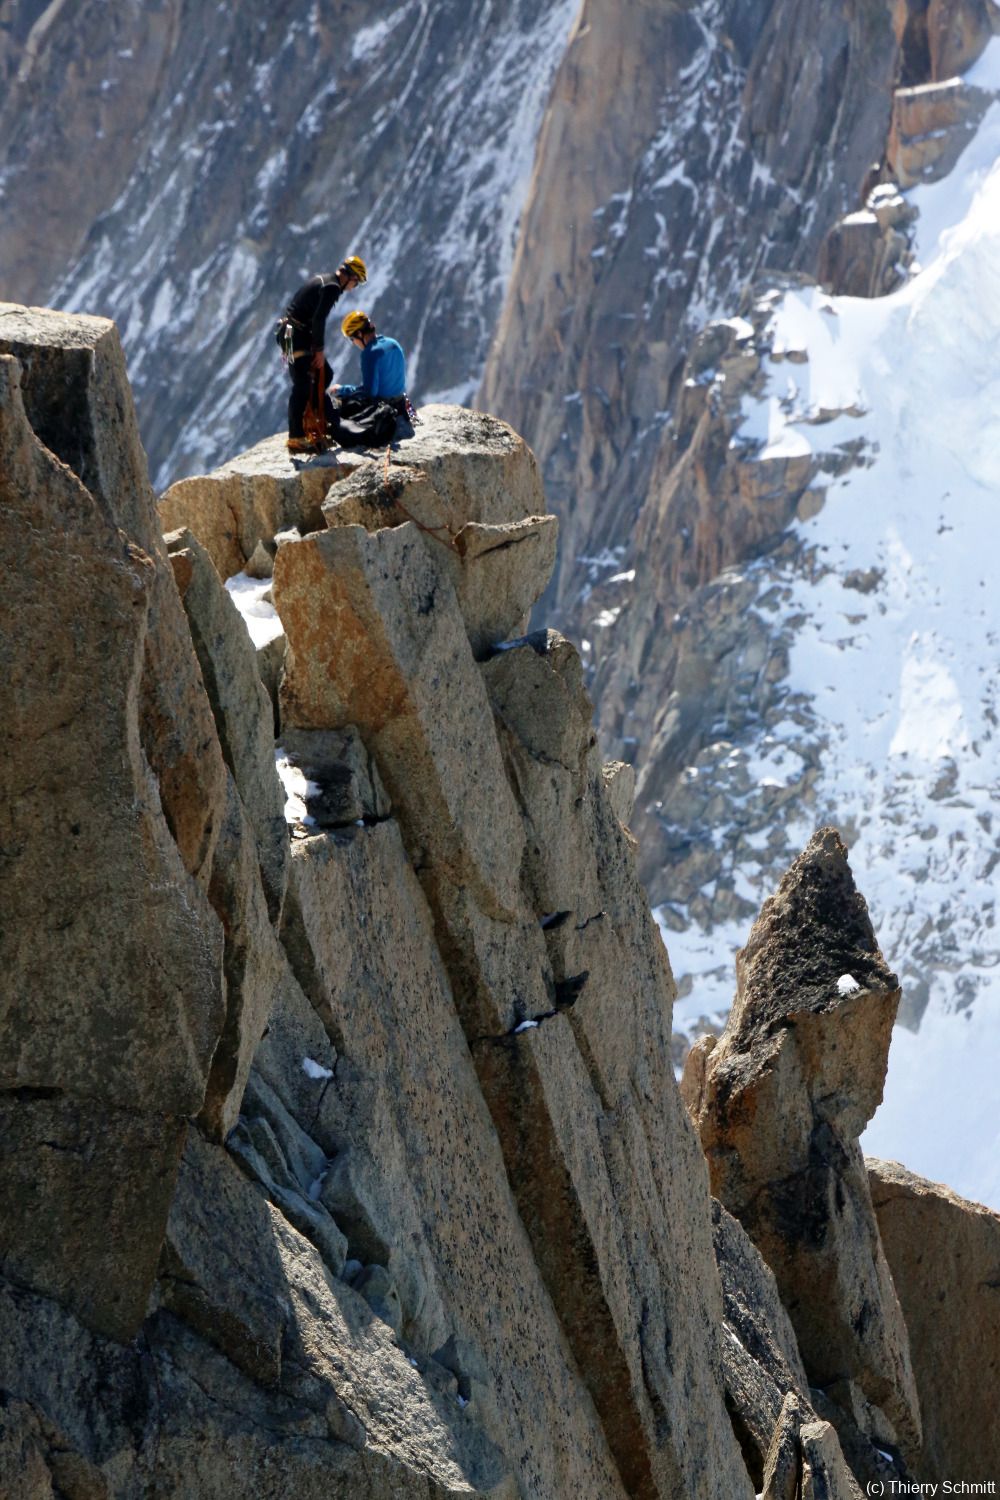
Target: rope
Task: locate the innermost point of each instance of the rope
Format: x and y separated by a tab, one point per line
446	541
314	418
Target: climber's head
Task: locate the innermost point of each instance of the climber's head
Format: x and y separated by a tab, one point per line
352	272
359	328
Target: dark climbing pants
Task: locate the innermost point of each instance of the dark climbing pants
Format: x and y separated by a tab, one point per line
303	387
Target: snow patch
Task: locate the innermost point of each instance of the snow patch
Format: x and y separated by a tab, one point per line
313	1069
297	789
259	615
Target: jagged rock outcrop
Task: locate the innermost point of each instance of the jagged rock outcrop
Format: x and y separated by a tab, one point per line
254	496
780	1101
944	1254
957	32
867	253
78	402
239	704
534	908
767	1390
350	1161
410	1205
194	767
114	995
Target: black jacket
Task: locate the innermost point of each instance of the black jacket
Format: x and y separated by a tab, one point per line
312	305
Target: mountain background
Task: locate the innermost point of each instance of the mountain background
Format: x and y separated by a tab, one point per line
763	401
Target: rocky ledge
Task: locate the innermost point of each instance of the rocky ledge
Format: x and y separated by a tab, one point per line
344	1155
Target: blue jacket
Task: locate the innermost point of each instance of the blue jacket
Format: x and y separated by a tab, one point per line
383	371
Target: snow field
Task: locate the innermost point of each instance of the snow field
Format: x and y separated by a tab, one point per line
904	679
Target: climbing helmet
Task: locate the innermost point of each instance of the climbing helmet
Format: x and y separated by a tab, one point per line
357	267
357	325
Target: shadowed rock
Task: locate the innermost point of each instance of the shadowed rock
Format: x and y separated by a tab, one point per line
239	704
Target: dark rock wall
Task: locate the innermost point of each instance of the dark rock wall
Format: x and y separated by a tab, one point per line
733	157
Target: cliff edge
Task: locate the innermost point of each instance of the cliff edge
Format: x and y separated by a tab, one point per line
344	1153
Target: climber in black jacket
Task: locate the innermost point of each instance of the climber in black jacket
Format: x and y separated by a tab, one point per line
301	332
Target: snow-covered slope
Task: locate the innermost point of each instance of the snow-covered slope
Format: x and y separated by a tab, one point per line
893	636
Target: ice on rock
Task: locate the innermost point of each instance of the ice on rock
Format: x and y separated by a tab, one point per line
313	1069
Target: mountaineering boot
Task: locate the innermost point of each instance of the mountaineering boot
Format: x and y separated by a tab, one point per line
301	445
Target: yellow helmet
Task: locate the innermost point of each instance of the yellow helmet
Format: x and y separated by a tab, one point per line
356	325
356	266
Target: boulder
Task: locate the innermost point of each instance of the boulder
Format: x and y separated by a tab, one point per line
247	501
353	1192
944	1254
783	1098
492	537
343	784
861	257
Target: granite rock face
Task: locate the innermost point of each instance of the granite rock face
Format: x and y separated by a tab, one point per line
113	989
347	1159
780	1101
77	399
618	266
534	909
944	1254
239	704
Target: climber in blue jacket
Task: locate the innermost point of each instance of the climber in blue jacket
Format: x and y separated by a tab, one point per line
383	366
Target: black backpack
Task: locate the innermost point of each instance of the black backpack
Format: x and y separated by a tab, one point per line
369	425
